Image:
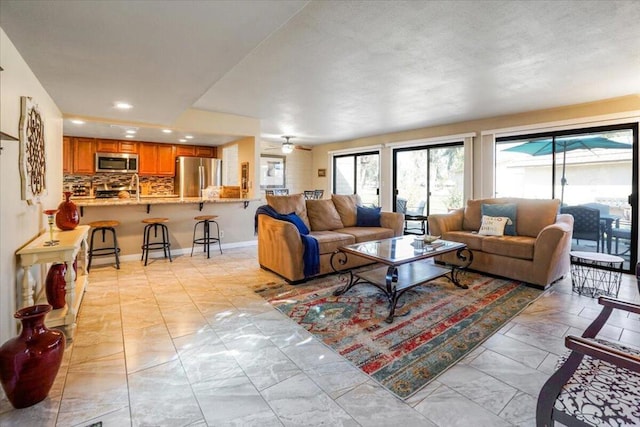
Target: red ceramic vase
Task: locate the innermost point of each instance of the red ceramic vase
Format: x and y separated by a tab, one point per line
30	362
68	216
54	285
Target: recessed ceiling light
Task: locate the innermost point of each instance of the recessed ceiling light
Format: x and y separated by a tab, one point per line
123	105
182	140
131	131
189	136
77	122
129	136
167	130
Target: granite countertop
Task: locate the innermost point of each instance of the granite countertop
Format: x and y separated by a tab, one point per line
153	200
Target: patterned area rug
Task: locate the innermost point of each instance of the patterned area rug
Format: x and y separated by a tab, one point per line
444	323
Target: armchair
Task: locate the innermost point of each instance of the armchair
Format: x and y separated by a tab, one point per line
597	382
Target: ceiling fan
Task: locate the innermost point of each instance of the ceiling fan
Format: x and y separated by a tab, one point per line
287	146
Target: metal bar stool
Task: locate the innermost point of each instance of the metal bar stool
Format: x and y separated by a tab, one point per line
104	226
206	221
148	245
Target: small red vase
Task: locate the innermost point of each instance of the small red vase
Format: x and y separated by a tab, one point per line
68	216
54	285
30	362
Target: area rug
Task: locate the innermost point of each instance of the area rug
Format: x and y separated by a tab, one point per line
444	323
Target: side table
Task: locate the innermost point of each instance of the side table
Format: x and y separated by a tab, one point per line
594	273
72	244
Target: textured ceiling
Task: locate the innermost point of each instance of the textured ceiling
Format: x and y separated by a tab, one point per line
327	70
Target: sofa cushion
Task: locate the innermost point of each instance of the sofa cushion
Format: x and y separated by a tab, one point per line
330	241
472	240
346	205
509	210
287	204
368	217
365	234
536	214
323	215
510	246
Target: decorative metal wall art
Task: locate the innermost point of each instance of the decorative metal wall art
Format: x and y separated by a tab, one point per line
32	157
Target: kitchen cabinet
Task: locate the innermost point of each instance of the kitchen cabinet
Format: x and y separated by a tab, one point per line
84	150
106	146
67	155
115	146
195	151
166	160
205	151
185	150
156	159
129	147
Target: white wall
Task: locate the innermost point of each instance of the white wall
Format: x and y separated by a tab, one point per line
20	223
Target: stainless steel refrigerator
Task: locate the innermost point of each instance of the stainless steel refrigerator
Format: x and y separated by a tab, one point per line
194	174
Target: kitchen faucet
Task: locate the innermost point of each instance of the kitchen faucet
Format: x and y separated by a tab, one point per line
136	178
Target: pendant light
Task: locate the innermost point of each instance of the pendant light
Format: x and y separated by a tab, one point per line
287	147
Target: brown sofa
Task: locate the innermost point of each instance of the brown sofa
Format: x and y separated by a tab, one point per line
331	221
538	254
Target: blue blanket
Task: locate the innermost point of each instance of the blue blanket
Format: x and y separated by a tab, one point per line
311	254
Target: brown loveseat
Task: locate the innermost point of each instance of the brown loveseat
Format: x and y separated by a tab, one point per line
331	221
538	254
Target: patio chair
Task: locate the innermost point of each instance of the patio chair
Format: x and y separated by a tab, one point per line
597	382
586	223
621	231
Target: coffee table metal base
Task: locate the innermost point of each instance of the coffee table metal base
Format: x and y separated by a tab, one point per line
394	281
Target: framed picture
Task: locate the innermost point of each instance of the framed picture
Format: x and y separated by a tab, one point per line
322	172
272	171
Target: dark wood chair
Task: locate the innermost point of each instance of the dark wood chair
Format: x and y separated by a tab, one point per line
597	382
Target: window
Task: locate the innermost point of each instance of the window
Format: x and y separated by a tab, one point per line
358	174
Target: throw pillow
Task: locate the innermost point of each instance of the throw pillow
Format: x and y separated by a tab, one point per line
493	225
508	210
368	217
323	215
297	221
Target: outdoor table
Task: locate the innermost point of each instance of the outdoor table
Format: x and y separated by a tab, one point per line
594	273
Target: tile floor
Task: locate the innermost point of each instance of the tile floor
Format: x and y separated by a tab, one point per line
189	344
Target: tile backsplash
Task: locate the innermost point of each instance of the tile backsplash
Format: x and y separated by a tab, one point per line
81	185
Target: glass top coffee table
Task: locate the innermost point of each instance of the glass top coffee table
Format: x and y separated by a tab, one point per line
404	267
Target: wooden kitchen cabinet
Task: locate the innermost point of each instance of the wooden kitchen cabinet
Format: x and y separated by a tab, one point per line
205	151
129	147
67	155
106	146
185	150
84	150
116	146
156	159
166	160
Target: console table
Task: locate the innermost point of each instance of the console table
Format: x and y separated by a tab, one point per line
72	244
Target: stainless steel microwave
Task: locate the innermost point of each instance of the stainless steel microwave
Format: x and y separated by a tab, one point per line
116	162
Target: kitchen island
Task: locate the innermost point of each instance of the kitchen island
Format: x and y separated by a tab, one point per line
235	217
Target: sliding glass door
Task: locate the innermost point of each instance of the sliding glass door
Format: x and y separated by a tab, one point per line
593	172
428	179
358	174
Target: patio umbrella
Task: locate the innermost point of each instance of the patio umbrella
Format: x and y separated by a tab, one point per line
542	147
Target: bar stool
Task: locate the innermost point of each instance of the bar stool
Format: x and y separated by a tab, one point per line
104	226
206	221
148	245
